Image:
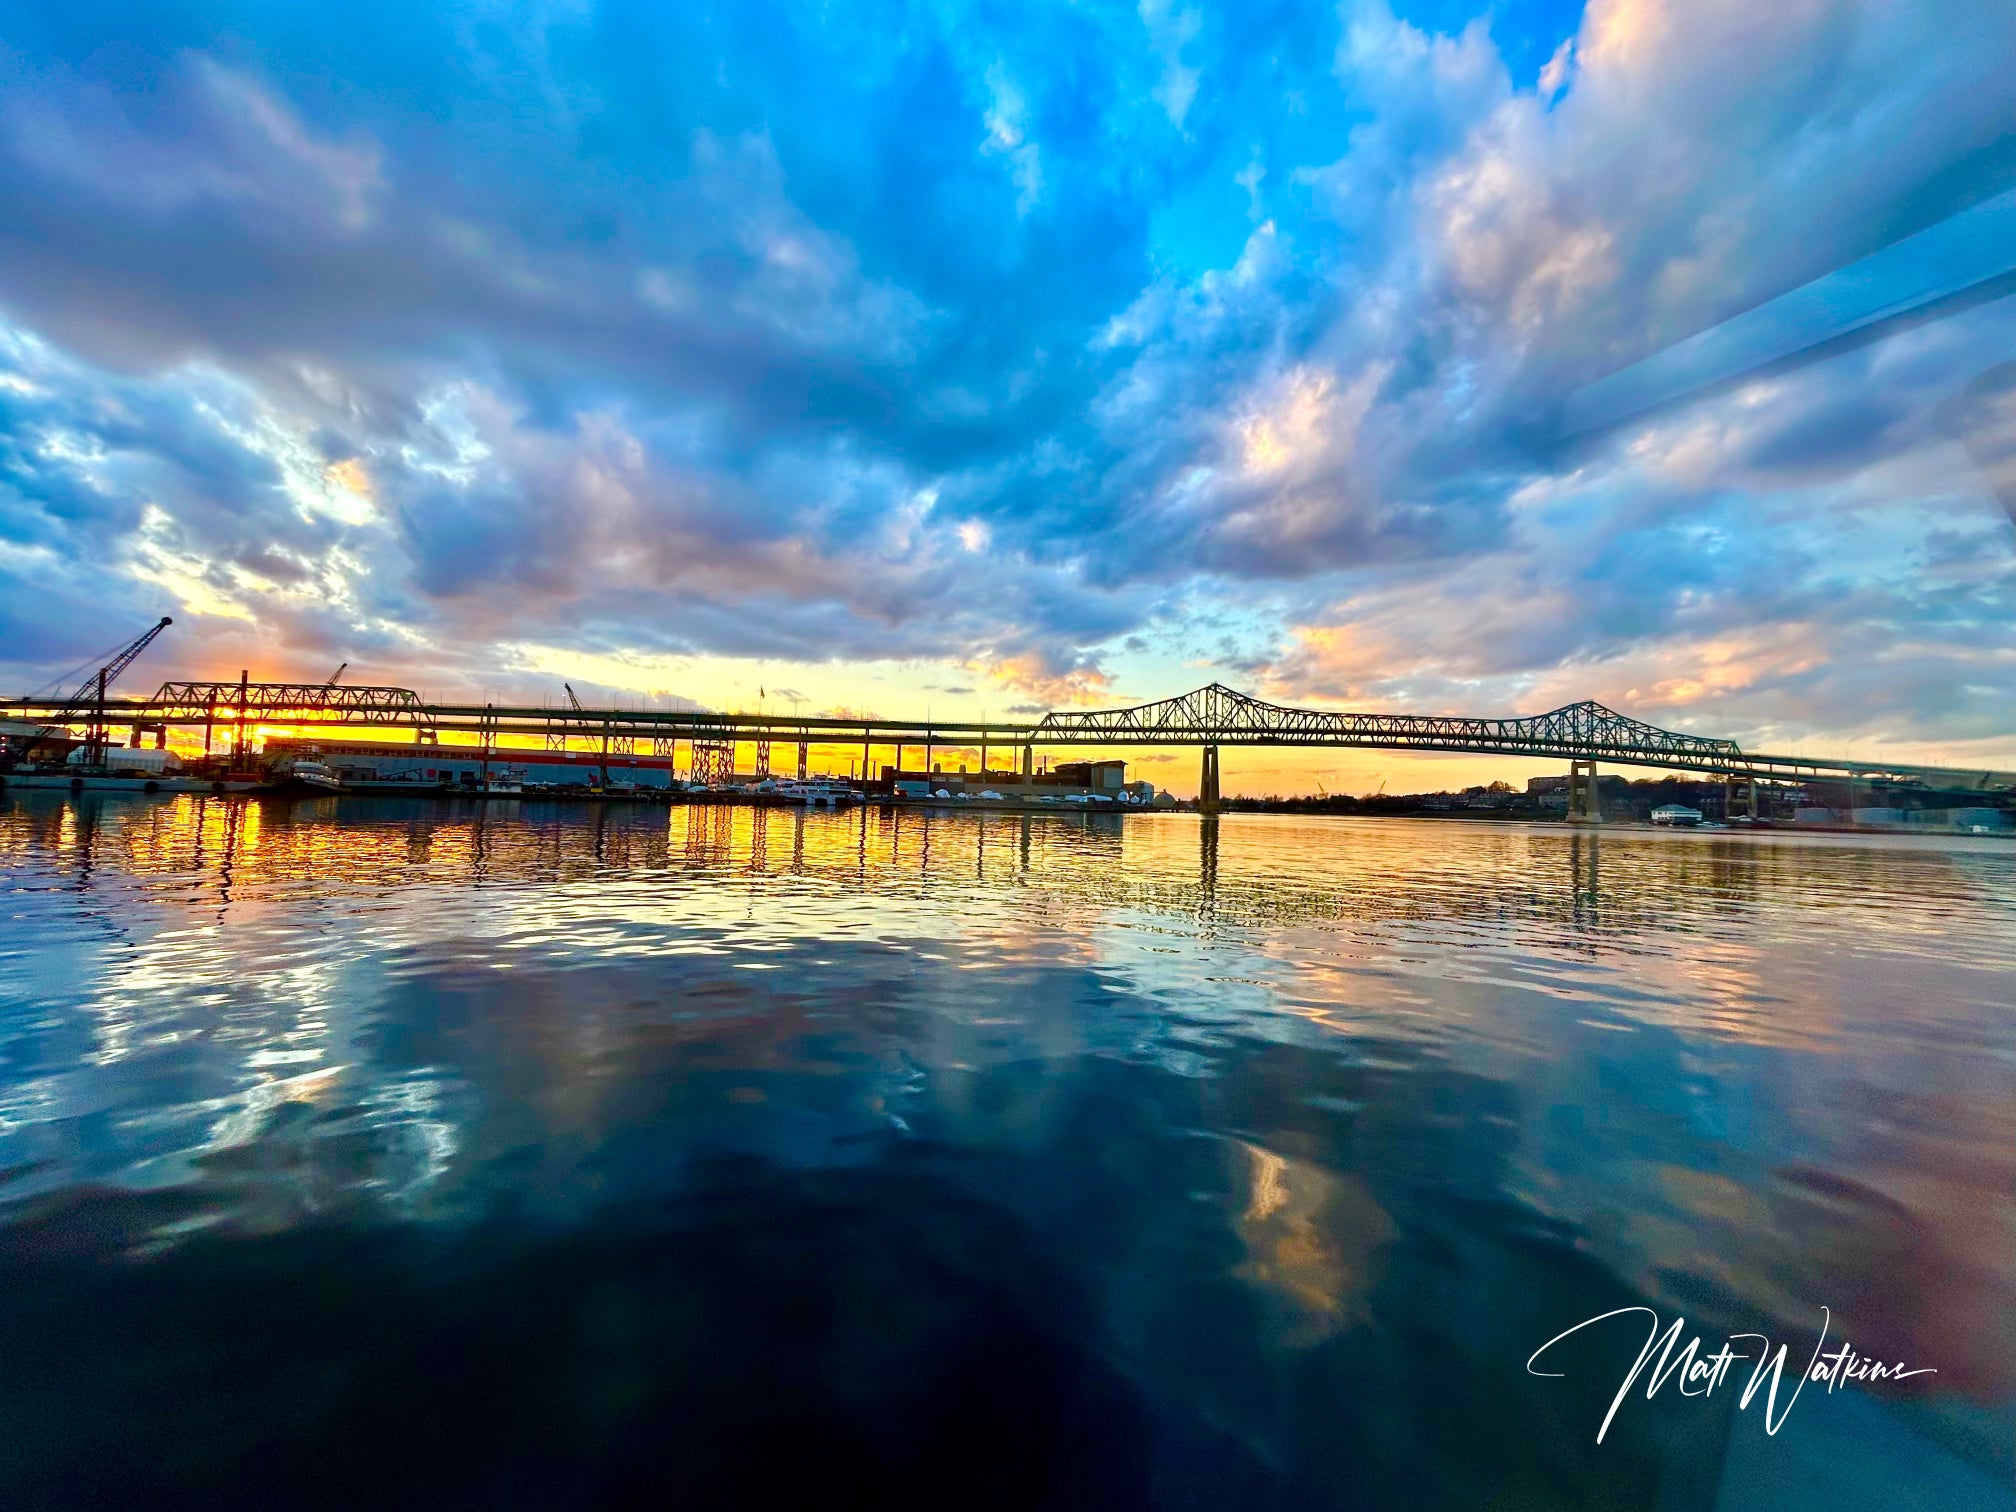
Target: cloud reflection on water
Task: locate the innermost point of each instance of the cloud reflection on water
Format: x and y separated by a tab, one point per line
1255	1082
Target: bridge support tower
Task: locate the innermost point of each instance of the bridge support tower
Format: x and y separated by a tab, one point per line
713	761
1743	798
1207	783
1585	804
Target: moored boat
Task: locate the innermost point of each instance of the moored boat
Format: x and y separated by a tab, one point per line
303	772
816	792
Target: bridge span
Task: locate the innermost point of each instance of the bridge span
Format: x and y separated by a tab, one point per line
1211	717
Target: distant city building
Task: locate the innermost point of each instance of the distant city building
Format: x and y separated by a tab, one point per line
1550	794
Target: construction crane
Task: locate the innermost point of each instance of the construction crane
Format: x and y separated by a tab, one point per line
337	676
575	699
90	694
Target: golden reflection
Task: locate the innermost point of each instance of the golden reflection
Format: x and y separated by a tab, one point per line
259	1101
1311	1241
1713	909
1340	922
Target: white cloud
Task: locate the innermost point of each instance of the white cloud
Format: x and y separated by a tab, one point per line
1172	28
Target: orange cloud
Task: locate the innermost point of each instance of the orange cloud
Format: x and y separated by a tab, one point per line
1077	687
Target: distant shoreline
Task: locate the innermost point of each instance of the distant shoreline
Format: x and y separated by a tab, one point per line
662	798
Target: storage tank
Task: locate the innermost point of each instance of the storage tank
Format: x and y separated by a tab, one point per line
130	759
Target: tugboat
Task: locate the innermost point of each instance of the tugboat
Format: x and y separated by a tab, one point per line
301	771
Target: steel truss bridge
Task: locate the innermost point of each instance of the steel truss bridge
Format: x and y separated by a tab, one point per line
1209	717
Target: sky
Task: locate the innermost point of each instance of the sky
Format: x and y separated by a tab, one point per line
992	358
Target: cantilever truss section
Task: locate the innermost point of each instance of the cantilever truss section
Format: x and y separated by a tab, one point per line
1220	714
362	703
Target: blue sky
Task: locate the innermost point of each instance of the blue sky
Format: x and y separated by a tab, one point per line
1000	356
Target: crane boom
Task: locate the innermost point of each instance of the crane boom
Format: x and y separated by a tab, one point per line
89	689
105	676
90	693
572	697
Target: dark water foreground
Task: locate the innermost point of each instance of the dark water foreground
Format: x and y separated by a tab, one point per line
407	1155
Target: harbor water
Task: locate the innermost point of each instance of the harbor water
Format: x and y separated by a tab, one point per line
386	1153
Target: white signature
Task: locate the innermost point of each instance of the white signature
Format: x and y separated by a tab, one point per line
1699	1373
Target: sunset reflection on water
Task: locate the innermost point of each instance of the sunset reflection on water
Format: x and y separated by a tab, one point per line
1312	1130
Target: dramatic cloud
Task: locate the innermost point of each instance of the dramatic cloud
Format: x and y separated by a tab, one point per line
1077	352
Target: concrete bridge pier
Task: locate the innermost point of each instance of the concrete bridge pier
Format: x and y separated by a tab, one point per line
1585	804
1743	798
1207	784
804	756
1028	762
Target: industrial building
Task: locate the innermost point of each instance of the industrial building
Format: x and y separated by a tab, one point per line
368	761
1068	779
357	761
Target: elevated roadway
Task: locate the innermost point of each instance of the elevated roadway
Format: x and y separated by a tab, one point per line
1210	717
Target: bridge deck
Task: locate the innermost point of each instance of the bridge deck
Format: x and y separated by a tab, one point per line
1210	716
